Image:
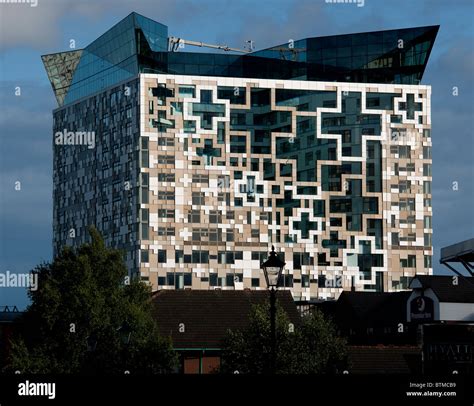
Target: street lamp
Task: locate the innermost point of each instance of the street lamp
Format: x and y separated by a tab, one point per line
272	268
125	333
91	342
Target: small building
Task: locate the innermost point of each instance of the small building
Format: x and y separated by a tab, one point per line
441	298
368	318
198	320
429	329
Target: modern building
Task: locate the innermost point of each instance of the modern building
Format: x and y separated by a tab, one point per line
196	163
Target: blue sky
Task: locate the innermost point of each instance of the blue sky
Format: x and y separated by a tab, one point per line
26	121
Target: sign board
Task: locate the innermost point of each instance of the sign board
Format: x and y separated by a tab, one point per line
422	309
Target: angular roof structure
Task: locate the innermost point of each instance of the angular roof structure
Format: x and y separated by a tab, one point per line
138	44
444	289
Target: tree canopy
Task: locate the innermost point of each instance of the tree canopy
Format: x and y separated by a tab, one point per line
310	347
88	317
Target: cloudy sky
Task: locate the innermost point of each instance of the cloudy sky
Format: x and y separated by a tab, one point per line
26	121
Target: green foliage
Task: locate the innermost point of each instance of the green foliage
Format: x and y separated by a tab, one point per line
310	347
81	299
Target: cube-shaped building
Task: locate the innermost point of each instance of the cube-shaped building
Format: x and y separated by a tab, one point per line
195	164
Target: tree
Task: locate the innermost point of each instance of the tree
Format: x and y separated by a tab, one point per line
82	315
310	347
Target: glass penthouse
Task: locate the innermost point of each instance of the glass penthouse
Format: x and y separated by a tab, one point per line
202	161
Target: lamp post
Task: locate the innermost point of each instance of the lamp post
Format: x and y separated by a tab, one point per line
272	268
125	333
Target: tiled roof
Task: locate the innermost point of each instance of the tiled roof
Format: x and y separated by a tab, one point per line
384	359
208	314
372	308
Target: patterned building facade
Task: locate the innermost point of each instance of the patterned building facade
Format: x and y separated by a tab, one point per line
196	169
336	175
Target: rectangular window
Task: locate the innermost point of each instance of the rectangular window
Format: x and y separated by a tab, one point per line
144	256
426	169
426	152
395	239
198	198
145	196
411	261
145	231
170	278
229	280
215	217
165	195
200	257
305	281
215	234
428	261
145	179
165	159
428	242
166	231
404	151
166	177
145	161
213	279
161	256
201	179
165	213
194	216
230	235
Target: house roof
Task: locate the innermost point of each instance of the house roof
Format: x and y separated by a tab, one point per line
444	288
208	314
371	308
383	359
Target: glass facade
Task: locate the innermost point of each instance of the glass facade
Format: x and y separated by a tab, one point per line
138	44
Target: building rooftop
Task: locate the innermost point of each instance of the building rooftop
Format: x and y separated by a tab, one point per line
383	359
444	288
138	44
372	308
208	314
